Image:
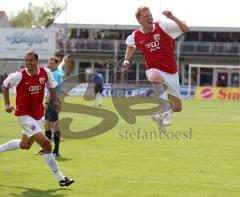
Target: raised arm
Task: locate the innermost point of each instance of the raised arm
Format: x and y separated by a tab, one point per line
182	25
63	62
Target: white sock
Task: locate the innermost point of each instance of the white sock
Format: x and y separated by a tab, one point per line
11	145
95	100
162	95
50	160
100	98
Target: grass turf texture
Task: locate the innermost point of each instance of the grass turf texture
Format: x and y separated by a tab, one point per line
111	165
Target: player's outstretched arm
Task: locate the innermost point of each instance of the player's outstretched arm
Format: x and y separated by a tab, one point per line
129	53
9	108
63	62
65	93
182	25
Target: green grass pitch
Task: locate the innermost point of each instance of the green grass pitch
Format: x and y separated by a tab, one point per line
205	163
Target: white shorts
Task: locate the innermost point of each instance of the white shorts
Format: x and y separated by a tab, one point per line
29	125
171	80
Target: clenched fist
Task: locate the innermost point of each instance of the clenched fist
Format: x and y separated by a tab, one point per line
168	14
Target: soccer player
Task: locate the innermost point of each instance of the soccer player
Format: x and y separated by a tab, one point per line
51	113
98	82
156	40
30	84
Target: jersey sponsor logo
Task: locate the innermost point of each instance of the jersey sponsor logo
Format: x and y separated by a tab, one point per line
153	46
34	89
42	80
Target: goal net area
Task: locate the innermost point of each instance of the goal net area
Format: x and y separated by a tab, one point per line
214	81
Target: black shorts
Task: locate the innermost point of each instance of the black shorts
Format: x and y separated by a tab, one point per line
98	88
51	113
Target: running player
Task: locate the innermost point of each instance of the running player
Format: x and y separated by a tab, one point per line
30	85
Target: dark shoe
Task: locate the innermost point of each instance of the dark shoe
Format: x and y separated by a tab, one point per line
66	182
56	155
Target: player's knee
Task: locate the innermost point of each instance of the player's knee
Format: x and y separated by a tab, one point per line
177	108
46	126
156	78
46	146
25	146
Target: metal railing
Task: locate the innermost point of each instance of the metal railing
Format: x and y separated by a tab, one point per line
185	47
209	48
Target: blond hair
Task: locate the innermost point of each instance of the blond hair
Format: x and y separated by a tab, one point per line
139	10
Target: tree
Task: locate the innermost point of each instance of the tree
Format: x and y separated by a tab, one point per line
36	16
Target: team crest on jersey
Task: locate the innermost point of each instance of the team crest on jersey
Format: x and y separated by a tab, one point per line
156	37
42	80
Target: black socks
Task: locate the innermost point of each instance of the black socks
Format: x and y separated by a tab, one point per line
57	137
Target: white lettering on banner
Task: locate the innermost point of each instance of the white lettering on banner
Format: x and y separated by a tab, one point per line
29	39
15	42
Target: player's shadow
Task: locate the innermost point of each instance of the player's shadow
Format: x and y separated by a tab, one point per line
62	159
31	192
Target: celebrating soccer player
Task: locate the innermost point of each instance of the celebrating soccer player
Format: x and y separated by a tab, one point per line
30	84
156	40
